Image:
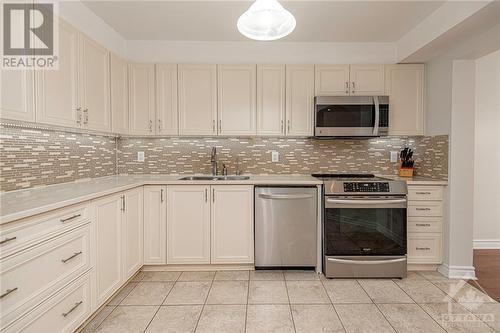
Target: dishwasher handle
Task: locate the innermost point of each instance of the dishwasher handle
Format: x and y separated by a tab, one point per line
285	196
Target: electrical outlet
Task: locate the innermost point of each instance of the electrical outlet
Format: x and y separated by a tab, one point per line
140	156
275	156
394	156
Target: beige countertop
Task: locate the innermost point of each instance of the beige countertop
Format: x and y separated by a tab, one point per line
25	203
417	180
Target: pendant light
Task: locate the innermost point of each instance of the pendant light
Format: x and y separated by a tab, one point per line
266	20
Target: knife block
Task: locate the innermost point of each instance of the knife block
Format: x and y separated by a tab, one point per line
405	172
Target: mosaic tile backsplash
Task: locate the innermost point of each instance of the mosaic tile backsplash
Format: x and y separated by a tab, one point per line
36	157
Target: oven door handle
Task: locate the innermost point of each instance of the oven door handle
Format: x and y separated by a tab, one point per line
377	115
366	202
366	262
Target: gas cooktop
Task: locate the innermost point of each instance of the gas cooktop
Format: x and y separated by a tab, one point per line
347	176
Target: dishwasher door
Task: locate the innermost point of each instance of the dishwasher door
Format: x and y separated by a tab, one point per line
285	226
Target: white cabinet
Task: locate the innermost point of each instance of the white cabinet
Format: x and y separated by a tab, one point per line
332	80
132	232
56	90
16	95
405	85
188	224
119	95
166	100
108	245
197	86
367	80
94	85
270	99
232	224
236	99
299	100
142	98
155	225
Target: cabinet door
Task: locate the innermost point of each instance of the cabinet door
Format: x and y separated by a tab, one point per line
405	85
232	224
236	99
300	100
166	100
119	95
367	79
141	98
94	85
56	90
155	225
270	99
16	94
132	232
108	235
197	99
332	80
188	224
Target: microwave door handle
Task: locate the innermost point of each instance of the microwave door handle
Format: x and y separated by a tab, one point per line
377	115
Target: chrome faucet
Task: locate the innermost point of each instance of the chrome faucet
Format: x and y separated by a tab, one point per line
213	161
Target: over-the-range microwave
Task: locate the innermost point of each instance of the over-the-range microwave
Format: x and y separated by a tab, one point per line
351	116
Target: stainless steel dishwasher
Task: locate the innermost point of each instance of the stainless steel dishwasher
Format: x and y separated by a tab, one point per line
285	226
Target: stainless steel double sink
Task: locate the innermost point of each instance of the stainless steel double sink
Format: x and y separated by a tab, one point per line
215	178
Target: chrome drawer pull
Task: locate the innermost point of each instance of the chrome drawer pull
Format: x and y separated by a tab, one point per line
423	192
7	292
422	208
6	240
423	248
72	309
73	256
423	225
71	218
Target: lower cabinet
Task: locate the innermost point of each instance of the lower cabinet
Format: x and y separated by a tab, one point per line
155	225
209	224
132	232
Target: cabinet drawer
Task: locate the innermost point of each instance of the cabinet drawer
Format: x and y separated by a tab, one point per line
425	208
424	248
63	312
425	193
424	224
30	276
18	235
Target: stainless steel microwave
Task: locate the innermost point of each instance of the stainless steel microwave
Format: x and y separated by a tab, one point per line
351	116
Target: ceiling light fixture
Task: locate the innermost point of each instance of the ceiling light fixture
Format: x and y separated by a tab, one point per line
266	20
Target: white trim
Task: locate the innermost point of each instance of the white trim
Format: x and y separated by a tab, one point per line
458	272
487	244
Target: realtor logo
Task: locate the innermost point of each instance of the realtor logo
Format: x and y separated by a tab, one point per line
29	36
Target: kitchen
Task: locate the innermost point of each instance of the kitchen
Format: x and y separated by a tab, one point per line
173	175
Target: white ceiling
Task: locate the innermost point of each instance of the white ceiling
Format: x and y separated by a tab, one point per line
317	21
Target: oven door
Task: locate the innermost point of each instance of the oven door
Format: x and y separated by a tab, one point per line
365	226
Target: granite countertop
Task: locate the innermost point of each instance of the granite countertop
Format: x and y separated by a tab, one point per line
417	180
25	203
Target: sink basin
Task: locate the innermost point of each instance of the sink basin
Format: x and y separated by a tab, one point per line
215	178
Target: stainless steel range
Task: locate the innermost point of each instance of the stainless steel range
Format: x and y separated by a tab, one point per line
364	226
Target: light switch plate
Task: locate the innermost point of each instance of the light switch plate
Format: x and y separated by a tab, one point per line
275	156
140	156
394	156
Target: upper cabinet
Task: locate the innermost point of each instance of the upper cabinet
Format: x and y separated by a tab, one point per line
299	100
345	80
16	95
119	95
166	100
142	98
270	99
197	86
405	85
237	99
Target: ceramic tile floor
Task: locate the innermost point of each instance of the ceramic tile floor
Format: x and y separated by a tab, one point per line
295	301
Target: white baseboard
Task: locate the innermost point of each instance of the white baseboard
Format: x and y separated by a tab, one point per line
486	244
458	272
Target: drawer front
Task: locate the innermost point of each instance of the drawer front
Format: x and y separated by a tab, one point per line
425	208
425	193
424	224
424	248
63	312
55	263
18	235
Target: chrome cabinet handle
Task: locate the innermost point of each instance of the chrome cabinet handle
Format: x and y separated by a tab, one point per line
213	125
422	208
422	248
282	127
7	292
72	309
206	195
159	125
86	116
353	87
79	115
161	195
76	254
70	218
423	224
123	203
6	240
213	195
220	125
150	125
423	193
346	87
288	125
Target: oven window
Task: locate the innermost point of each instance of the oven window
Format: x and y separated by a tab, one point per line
345	115
365	231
